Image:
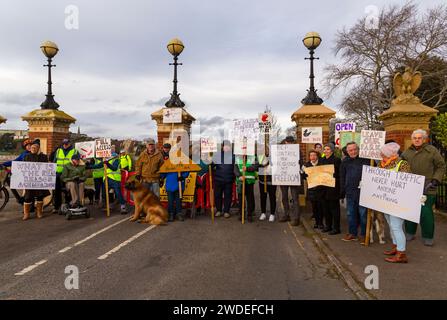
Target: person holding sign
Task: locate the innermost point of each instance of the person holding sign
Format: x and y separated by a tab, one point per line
114	180
223	174
265	177
148	166
31	195
331	196
350	175
314	194
249	165
173	190
425	160
391	161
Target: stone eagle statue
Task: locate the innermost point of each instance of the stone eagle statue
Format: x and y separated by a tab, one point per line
407	83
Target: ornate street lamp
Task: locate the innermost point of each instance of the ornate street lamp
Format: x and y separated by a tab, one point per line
49	49
175	47
311	41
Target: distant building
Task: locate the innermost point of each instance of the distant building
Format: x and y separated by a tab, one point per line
18	134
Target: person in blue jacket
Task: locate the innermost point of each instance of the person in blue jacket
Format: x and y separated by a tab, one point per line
26	144
172	189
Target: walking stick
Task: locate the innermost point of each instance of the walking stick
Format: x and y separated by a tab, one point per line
107	190
211	193
180	185
368	217
265	155
243	188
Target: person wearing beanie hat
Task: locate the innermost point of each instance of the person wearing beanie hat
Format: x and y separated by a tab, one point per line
391	161
31	195
26	144
74	176
331	196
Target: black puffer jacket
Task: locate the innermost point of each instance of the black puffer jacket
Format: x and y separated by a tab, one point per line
350	175
223	172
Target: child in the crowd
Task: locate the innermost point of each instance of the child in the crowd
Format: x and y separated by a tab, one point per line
172	180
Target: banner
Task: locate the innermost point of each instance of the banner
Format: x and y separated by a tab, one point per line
86	149
286	164
312	135
188	193
320	176
396	193
103	148
347	136
172	115
33	175
343	127
244	146
208	145
370	143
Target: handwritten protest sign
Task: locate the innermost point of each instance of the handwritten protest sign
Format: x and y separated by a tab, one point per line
370	143
208	145
320	176
343	127
396	193
285	164
33	175
347	136
86	149
248	128
103	148
312	135
172	115
244	146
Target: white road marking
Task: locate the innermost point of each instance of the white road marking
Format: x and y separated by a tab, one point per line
125	243
65	249
32	267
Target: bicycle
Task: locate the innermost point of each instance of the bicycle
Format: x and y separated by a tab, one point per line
4	194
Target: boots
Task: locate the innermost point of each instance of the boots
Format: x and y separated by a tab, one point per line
400	257
26	210
391	252
39	209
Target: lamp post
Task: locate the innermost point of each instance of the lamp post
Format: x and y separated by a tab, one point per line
49	49
311	41
175	47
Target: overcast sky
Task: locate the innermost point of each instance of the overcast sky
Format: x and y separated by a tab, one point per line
113	71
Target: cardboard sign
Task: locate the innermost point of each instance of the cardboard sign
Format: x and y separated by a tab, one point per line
188	193
396	193
103	148
312	135
33	175
286	164
244	147
320	176
370	143
343	127
179	163
248	128
347	136
265	122
172	115
86	149
208	145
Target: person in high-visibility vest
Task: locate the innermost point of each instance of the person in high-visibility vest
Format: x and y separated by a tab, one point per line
114	180
125	161
98	178
62	157
249	179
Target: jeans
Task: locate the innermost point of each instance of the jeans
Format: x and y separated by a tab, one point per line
116	186
98	187
174	203
355	211
225	189
154	187
397	231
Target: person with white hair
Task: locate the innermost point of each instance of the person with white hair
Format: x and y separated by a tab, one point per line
392	161
424	160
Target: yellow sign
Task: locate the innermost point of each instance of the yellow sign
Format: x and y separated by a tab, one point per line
180	163
320	176
188	194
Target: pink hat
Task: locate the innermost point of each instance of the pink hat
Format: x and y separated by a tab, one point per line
390	149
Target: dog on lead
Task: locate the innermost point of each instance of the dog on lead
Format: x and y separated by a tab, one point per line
146	203
378	224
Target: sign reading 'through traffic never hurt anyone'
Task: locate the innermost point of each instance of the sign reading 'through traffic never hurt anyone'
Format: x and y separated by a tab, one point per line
396	193
33	175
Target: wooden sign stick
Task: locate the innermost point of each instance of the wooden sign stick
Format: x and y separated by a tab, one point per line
211	193
243	188
369	217
107	190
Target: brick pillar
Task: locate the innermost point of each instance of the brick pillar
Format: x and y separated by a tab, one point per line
312	116
50	126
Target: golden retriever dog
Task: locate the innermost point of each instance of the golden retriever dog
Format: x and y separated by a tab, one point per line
378	224
146	202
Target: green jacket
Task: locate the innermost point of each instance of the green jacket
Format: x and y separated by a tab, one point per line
427	162
71	172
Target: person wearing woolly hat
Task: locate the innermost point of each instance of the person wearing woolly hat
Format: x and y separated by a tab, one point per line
391	161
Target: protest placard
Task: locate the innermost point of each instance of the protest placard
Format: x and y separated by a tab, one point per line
103	148
33	175
285	164
188	194
248	128
172	115
208	145
312	135
86	149
320	176
243	146
348	136
343	127
396	193
265	122
370	143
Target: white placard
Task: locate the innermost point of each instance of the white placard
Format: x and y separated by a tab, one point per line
172	115
86	149
248	128
244	146
103	148
370	143
208	145
265	122
396	193
312	135
286	164
33	175
343	127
